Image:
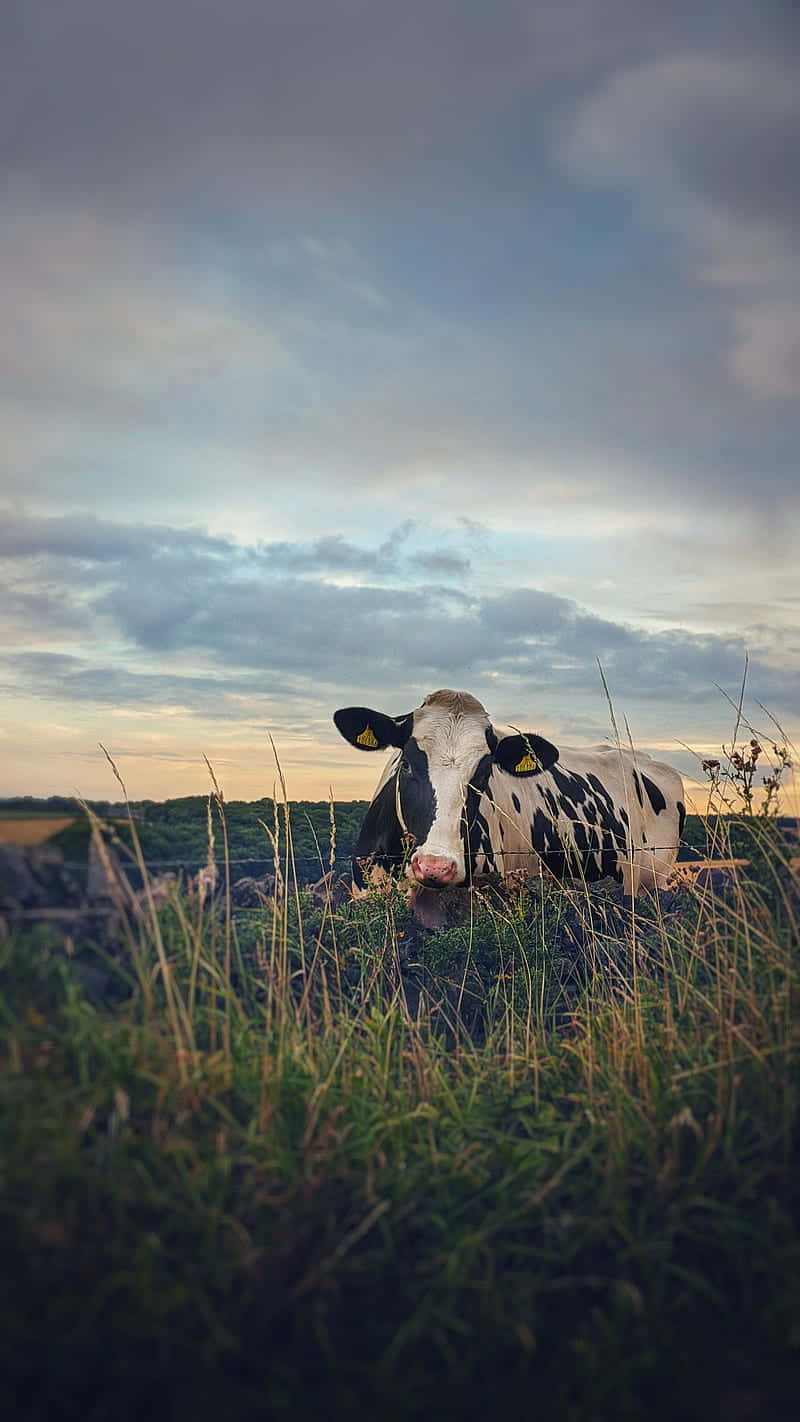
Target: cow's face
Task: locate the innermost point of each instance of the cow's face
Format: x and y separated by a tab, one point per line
447	751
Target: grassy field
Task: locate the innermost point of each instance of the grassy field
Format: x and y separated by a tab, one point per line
29	830
314	1162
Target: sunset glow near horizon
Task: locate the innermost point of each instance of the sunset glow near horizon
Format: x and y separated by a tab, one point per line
355	350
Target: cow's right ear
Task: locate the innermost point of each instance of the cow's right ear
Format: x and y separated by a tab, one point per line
371	730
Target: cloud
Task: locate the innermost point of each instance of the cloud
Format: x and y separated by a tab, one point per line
86	537
329	95
191	552
441	564
711	144
182	99
104	319
135	372
88	681
250	251
201	621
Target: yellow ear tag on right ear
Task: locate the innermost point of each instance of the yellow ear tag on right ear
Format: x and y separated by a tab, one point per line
527	763
367	738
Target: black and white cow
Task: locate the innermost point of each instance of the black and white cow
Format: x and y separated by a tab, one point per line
472	800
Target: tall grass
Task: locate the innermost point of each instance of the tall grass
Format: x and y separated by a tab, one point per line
312	1158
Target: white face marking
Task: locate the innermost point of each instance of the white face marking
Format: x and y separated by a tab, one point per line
454	743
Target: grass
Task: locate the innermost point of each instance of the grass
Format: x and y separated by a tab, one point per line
313	1161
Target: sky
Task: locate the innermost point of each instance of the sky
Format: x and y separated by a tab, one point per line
353	349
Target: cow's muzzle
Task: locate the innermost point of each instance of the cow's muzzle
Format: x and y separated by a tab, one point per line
434	870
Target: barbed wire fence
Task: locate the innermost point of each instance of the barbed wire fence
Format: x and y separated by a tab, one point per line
311	868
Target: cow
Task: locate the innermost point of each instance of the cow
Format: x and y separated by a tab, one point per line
460	799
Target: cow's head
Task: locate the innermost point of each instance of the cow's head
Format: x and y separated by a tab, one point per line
447	750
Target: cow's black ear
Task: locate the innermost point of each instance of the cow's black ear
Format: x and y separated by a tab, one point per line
371	730
527	754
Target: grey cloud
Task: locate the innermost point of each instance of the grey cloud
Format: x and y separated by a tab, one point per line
524	612
26	605
440	563
73	679
154	100
292	625
122	360
220	608
84	536
44	666
105	318
333	553
720	126
188	554
160	93
711	143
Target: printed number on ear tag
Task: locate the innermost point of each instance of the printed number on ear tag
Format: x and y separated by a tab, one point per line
527	763
367	738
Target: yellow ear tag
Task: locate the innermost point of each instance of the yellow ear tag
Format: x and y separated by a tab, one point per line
527	763
367	738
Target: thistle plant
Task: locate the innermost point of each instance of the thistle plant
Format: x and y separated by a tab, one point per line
733	777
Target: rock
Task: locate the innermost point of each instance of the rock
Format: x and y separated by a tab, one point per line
250	893
336	889
162	887
19	886
717	880
101	874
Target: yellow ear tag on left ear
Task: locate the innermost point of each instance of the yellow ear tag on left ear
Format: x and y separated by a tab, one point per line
367	738
527	763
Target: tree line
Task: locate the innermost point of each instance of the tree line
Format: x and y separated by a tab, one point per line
175	833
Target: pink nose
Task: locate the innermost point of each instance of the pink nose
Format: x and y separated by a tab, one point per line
433	869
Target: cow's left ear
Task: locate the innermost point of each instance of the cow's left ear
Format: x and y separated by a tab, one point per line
525	754
371	730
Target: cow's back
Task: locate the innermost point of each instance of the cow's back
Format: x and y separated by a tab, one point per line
597	812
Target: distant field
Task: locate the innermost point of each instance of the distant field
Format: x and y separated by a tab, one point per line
29	830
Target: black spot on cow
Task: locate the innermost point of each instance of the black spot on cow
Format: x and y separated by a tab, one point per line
562	859
592	870
681	817
380	841
573	787
477	839
638	788
540	824
475	833
593	859
550	801
609	860
417	795
515	801
598	787
654	795
607	813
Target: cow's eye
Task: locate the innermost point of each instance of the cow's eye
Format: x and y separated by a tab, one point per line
405	766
